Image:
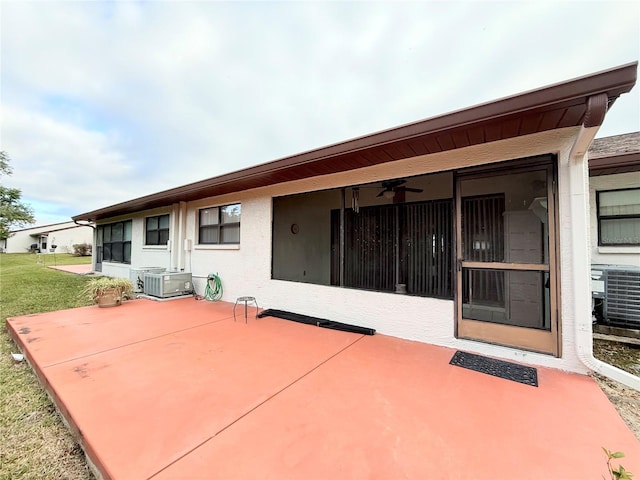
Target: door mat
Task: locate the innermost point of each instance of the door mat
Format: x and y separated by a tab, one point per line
497	368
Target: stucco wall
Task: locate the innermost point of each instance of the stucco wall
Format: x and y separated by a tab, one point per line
246	269
611	255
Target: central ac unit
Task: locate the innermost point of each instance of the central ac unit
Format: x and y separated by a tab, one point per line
167	284
616	291
136	275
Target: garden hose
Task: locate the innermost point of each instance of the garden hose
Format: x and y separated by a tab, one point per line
213	290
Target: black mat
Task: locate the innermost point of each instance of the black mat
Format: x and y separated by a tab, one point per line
319	322
497	368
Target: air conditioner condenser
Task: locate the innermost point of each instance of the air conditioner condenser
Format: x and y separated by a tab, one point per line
167	284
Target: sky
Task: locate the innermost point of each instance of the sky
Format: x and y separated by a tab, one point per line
103	102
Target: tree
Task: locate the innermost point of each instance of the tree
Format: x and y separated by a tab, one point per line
13	213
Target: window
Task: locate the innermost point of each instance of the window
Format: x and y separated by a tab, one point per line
116	242
619	217
157	230
219	225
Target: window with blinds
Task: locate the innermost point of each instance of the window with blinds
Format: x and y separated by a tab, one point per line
618	217
403	247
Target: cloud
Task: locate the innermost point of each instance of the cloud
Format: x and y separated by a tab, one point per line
56	161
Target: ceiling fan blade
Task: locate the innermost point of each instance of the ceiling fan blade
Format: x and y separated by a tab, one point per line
409	189
390	184
381	193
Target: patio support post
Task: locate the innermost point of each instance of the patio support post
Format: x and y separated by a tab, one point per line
342	204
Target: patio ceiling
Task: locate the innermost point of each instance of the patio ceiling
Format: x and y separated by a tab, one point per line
572	103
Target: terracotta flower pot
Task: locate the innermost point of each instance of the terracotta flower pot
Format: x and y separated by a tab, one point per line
110	297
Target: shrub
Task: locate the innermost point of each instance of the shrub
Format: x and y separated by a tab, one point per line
616	473
81	249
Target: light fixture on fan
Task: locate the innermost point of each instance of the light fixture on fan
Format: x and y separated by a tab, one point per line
390	187
388	194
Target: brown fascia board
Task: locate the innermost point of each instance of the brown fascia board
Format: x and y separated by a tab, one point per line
48	232
612	82
621	163
62	229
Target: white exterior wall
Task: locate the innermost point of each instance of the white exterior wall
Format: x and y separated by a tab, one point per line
64	235
611	255
246	269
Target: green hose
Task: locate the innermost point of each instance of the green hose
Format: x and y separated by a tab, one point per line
213	290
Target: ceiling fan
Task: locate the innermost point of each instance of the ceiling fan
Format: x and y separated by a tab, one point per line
390	187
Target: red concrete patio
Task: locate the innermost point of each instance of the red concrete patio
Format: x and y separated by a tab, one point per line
178	390
82	269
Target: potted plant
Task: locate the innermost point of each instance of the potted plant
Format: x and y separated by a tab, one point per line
108	291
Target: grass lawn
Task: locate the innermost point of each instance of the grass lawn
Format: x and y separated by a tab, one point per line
35	443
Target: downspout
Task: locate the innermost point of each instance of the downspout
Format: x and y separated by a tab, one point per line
94	250
579	206
173	245
182	219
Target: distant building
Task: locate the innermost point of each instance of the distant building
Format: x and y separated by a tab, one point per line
42	239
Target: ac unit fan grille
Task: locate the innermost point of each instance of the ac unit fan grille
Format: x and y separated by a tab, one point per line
623	298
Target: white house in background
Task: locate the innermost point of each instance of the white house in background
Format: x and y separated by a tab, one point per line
614	187
62	235
468	230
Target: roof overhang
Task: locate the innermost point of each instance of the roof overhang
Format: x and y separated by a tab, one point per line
44	233
572	103
624	163
616	154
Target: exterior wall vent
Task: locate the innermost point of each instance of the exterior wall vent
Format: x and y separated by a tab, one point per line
616	292
168	284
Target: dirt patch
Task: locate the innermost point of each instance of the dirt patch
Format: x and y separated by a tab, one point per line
622	355
626	400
